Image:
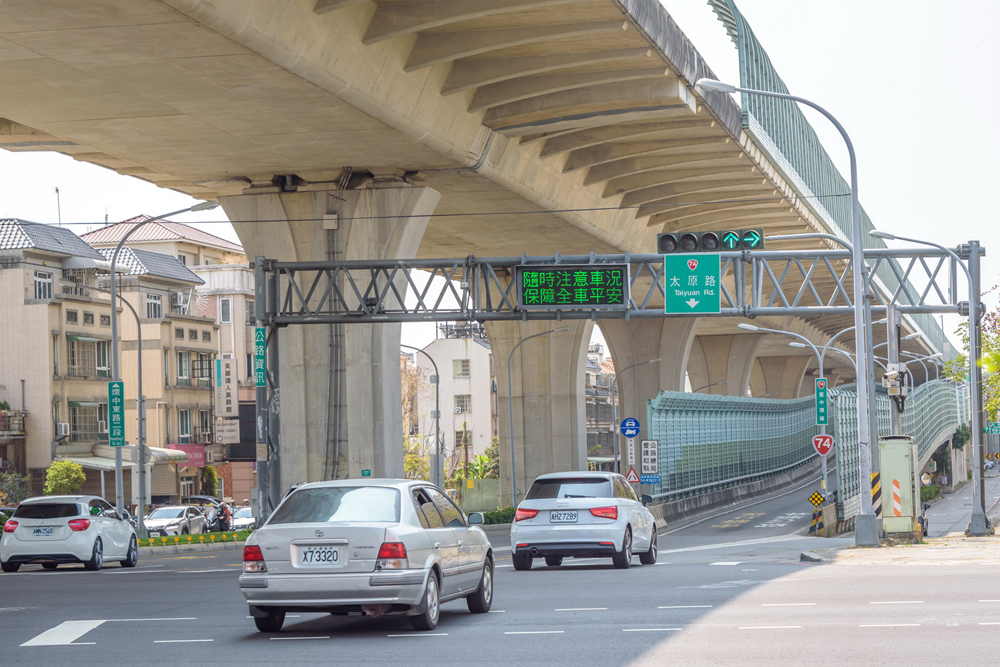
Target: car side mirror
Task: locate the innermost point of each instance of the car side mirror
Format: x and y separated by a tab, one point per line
476	519
646	499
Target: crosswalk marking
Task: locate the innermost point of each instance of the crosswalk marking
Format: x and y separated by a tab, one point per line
64	634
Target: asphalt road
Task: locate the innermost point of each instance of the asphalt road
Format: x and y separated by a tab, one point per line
728	590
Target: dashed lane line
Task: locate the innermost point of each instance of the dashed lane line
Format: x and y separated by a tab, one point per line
898	602
688	606
536	632
277	639
422	634
771	627
651	630
890	625
180	641
584	609
789	604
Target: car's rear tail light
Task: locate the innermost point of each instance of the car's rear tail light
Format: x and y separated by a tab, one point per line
523	514
392	556
10	526
607	544
76	525
253	559
605	512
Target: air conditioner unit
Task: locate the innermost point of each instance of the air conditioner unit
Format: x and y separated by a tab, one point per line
209	456
102	427
62	429
459	411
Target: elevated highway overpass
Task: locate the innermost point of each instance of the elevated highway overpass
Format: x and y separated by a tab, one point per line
361	129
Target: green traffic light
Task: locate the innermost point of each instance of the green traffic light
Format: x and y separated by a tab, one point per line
752	238
731	240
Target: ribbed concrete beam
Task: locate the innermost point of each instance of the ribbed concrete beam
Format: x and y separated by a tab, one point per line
618	172
594	137
588	157
534	86
645	195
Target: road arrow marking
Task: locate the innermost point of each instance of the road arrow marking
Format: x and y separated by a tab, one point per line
692	302
64	634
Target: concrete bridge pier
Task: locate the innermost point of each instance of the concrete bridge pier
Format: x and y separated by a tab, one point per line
549	399
780	377
339	384
723	364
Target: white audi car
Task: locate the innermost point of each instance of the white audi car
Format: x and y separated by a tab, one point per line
366	546
53	530
582	515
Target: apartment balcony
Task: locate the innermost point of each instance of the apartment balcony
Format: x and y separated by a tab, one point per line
12	424
201	436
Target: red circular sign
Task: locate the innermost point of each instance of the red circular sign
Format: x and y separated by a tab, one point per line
823	444
820	384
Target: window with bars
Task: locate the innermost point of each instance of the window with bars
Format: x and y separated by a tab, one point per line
463	403
105	320
179	333
192	334
225	311
81	358
184	426
251	313
203	433
203	369
88	318
85	422
72	317
55	355
103	358
206	336
461	438
154	306
43	285
461	368
184	369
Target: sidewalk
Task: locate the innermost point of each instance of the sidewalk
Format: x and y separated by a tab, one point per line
950	516
951	550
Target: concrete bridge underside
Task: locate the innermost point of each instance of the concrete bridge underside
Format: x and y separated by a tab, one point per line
415	128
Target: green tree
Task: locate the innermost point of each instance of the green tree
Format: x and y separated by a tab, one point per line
13	488
479	467
416	464
493	456
63	478
958	368
209	481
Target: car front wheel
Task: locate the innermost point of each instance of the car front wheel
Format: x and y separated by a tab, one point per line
623	559
481	601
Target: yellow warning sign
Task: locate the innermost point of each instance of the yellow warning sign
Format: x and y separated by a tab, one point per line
816	499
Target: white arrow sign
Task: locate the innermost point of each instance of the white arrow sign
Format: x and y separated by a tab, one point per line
692	302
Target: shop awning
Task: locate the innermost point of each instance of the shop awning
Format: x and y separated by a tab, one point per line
159	455
83	404
96	462
83	339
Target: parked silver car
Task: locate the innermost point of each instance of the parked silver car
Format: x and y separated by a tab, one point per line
372	547
175	520
582	515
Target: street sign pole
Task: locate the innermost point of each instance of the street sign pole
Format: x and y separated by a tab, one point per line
822	419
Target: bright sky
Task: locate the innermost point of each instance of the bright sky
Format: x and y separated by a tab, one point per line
913	82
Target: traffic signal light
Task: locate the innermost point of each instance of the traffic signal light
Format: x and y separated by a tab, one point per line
729	239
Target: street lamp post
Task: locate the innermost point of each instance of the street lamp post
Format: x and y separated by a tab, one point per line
866	531
614	407
438	478
706	386
510	408
978	524
203	206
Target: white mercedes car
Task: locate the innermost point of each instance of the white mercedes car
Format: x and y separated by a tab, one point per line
582	515
53	530
366	546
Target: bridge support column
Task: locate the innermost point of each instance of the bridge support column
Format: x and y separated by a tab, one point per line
549	399
637	341
780	377
340	390
723	364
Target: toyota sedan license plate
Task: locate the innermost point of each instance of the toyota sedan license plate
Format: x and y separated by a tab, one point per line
319	556
42	531
563	517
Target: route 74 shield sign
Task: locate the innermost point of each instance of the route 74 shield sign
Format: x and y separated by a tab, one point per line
823	444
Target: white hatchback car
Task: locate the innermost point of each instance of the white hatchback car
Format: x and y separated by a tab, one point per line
53	530
366	546
582	515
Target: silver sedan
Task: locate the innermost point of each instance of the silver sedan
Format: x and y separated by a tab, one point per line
371	547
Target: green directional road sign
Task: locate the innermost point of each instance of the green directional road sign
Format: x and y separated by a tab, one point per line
731	240
691	284
822	404
116	414
753	239
259	346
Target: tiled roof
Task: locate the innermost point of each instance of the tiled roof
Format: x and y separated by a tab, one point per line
16	234
144	262
157	231
608	367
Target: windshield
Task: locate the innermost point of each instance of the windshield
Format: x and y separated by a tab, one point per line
167	513
47	511
339	503
245	513
570	487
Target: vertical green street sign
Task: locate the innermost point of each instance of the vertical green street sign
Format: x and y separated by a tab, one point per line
822	404
691	284
259	346
116	414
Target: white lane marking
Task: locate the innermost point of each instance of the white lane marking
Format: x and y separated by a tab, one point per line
890	625
137	620
789	604
651	630
495	566
688	606
726	563
989	600
64	634
275	639
899	602
537	632
771	627
585	609
180	641
200	571
741	543
497	611
989	624
422	634
738	509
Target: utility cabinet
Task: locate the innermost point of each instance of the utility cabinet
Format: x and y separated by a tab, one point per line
899	483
